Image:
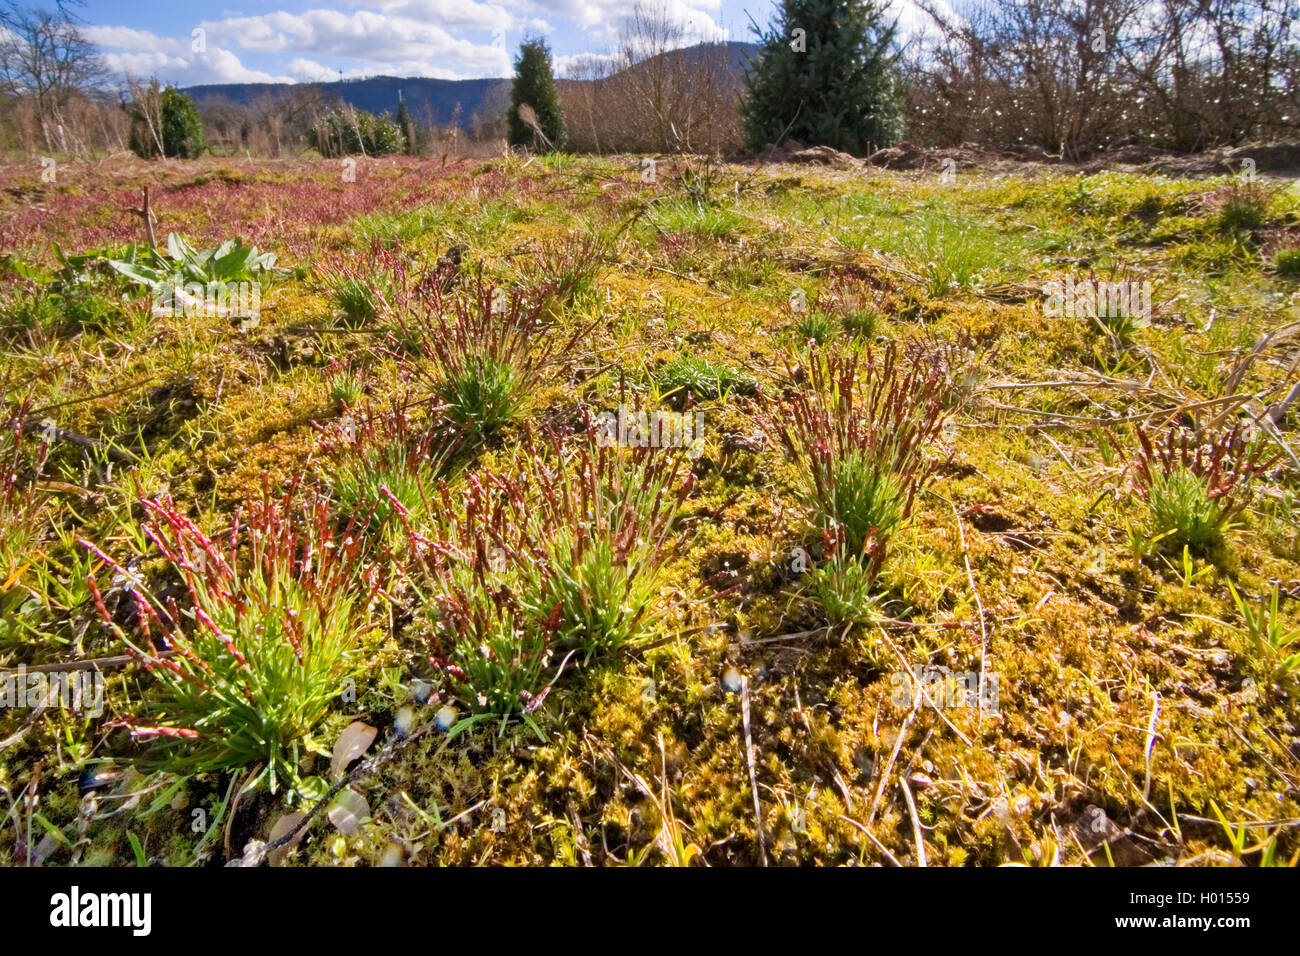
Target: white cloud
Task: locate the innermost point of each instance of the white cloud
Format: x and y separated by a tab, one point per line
582	65
438	38
383	43
141	54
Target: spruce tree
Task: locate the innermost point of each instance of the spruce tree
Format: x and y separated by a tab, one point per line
534	87
825	75
409	129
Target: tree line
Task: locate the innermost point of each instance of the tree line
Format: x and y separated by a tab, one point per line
1067	76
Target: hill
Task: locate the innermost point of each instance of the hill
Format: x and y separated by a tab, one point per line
434	101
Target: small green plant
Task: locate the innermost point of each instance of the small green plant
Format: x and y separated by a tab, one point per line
272	634
1242	207
1269	635
488	349
862	323
1286	262
483	397
1195	485
361	300
232	261
346	389
814	326
844	588
702	379
384	467
856	301
607	527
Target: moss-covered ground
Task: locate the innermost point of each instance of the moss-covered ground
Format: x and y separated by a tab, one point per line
1136	720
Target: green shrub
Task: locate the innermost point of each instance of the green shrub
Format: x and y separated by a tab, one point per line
175	131
344	132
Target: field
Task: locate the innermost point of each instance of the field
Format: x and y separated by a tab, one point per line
396	545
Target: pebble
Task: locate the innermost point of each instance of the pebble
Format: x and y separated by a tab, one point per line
402	723
731	680
444	718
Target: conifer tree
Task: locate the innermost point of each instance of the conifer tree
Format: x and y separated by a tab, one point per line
540	122
826	76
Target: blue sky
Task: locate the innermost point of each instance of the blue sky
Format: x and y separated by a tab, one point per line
304	40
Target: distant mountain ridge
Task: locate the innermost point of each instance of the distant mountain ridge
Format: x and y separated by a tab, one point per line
431	101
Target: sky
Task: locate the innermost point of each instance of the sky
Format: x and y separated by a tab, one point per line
270	41
306	40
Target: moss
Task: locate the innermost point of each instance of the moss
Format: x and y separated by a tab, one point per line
1016	559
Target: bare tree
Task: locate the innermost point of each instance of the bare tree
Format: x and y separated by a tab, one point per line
664	89
46	60
1071	75
145	107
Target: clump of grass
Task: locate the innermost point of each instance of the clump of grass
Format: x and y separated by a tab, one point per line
489	350
383	467
346	390
842	585
954	254
1120	305
858	432
962	361
606	525
563	557
857	303
813	326
381	286
1286	262
272	632
1242	207
1195	485
360	299
703	379
690	217
567	268
42	314
346	385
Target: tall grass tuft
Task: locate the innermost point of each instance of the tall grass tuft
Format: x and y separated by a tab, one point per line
1194	485
858	431
384	465
563	557
489	349
262	640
